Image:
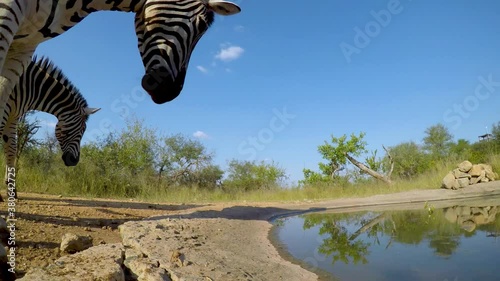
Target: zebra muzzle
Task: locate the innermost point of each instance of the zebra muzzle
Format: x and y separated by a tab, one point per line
69	159
161	87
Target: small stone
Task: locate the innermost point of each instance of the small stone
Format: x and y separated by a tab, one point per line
475	171
468	226
451	215
465	166
474	180
449	182
72	243
463	182
459	174
482	176
464	211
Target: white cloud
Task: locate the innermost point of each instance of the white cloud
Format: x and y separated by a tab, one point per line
48	123
228	70
239	28
200	135
230	53
202	69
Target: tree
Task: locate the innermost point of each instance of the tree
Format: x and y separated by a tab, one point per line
249	175
26	131
437	141
409	160
184	161
341	150
336	152
314	178
461	149
495	131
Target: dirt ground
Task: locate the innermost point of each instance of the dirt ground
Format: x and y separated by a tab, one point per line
43	220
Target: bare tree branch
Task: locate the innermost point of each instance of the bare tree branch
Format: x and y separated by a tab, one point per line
367	226
391	160
367	170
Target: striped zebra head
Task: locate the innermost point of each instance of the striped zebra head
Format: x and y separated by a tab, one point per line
69	132
167	32
44	87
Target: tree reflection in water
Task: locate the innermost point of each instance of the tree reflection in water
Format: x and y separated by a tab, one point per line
441	230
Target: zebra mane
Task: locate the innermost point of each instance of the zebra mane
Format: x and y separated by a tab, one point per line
55	72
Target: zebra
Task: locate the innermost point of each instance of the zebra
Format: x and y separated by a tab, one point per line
167	32
44	87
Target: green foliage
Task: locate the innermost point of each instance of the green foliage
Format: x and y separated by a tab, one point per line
495	131
249	175
314	178
186	162
410	160
481	151
374	163
437	141
337	242
335	153
461	149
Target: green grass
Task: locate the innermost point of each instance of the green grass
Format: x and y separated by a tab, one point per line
86	182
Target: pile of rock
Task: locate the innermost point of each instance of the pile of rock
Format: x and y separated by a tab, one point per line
466	174
470	217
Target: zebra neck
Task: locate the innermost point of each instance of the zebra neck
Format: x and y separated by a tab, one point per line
115	5
57	103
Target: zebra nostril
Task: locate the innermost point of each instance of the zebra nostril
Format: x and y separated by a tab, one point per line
70	160
160	85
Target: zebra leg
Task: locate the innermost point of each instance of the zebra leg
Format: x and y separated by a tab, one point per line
11	16
17	62
13	57
10	150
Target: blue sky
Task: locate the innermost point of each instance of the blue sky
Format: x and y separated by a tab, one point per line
276	80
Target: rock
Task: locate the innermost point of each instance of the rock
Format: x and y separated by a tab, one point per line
451	215
490	175
474	180
142	268
486	167
463	211
459	174
465	166
463	182
72	243
449	181
468	226
476	170
480	219
103	262
482	176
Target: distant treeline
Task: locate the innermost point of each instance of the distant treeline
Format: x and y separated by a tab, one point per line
138	161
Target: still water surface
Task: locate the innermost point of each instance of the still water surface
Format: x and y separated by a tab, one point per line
455	244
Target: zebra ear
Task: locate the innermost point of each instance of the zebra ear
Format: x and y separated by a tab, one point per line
90	110
223	8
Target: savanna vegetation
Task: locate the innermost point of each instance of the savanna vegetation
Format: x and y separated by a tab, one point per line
138	162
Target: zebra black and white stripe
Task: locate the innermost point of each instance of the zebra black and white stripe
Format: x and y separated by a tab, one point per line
167	32
44	87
